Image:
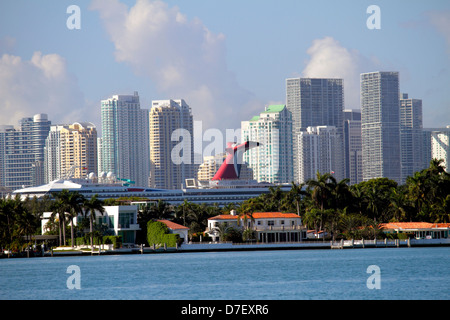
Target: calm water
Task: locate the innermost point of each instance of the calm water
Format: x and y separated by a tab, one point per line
405	273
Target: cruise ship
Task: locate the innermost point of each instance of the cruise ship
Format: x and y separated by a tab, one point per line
223	189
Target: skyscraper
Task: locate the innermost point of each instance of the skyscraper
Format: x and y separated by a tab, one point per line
22	152
411	142
272	160
380	125
315	102
320	150
171	143
71	149
125	145
353	146
440	146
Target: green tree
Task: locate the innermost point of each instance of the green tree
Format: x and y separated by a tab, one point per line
91	206
75	202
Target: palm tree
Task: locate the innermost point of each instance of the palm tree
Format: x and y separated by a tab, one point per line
91	206
321	192
75	204
297	193
6	221
222	230
61	207
161	211
25	222
246	210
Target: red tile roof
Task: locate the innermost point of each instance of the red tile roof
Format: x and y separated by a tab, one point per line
257	215
413	225
173	225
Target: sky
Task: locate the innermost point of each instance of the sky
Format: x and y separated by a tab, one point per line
227	59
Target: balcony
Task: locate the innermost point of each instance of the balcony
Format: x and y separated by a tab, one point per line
129	226
277	228
263	228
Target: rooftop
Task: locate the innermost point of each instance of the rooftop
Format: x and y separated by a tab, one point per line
258	215
413	225
274	108
173	225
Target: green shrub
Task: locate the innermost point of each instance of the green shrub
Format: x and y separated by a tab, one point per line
158	234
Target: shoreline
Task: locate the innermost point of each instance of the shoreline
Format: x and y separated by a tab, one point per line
227	247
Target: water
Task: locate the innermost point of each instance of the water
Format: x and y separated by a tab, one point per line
405	273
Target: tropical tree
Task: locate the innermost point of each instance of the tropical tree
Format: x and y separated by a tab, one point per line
6	221
245	212
91	206
59	209
321	190
222	230
296	195
75	202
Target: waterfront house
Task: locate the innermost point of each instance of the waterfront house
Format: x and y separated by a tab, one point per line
419	230
121	220
269	226
313	234
173	227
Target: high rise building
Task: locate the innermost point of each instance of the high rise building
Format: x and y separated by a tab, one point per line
314	102
171	144
380	125
22	152
125	145
411	143
272	160
440	146
320	150
71	150
353	146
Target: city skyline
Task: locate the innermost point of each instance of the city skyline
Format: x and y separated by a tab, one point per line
213	63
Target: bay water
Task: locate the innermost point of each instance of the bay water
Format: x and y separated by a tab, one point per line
400	273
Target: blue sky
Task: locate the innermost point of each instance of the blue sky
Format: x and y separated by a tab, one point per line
227	59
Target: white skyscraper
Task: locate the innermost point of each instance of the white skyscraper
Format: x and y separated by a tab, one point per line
380	125
272	160
440	146
320	150
171	144
125	145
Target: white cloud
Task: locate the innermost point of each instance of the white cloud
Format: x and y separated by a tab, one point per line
181	57
40	85
329	59
441	21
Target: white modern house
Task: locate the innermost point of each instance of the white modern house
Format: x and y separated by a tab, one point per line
122	220
269	226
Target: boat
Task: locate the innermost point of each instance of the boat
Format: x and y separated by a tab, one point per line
223	189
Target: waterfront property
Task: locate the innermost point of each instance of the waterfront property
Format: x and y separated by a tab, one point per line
268	226
173	227
420	230
120	220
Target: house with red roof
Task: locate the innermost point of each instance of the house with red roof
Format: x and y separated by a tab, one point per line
173	227
420	230
269	226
